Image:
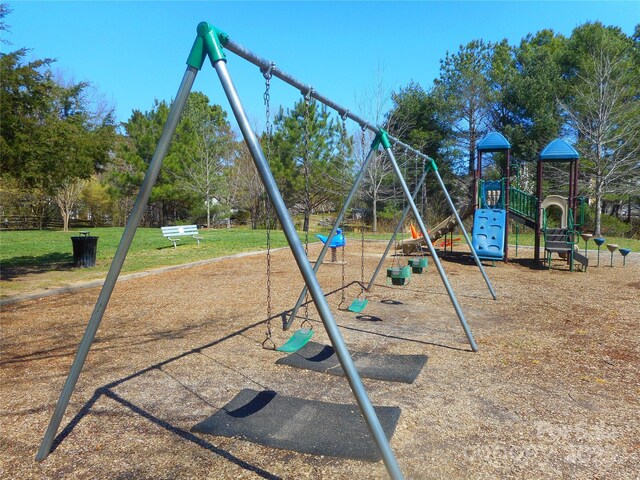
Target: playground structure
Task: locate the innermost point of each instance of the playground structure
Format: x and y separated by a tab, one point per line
491	203
488	205
497	202
562	240
211	43
494	208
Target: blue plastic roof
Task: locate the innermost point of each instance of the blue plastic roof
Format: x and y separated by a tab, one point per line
558	150
493	142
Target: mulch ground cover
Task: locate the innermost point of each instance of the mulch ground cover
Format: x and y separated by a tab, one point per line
552	393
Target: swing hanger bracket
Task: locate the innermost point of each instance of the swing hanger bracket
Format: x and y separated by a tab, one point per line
267	72
430	163
209	42
307	95
382	138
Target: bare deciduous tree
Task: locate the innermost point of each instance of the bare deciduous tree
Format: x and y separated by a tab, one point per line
605	114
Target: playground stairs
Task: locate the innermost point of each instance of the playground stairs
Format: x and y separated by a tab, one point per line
557	241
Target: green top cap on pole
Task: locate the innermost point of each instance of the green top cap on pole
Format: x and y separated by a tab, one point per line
430	163
381	138
209	42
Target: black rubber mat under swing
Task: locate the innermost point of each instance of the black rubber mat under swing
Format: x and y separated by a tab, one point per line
305	426
392	368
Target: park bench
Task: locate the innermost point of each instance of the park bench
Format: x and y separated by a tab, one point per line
174	233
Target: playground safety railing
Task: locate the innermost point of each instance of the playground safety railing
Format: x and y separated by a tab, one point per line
572	232
523	203
571	235
582	205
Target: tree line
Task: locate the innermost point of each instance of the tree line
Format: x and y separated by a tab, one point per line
62	153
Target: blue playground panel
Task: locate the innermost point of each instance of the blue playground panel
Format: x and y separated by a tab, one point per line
488	233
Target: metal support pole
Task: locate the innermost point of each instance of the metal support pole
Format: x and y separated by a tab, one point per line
405	212
366	408
464	232
506	202
118	260
287	324
432	250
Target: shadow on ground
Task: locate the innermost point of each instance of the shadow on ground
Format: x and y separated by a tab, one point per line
24	265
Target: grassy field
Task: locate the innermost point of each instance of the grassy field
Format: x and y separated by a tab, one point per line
37	260
46	257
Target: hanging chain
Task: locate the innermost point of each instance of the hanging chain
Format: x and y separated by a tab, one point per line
268	341
423	196
344	148
403	172
423	213
307	200
363	146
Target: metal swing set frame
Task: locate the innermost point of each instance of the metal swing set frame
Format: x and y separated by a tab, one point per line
210	43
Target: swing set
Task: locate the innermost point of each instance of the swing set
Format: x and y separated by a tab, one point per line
211	43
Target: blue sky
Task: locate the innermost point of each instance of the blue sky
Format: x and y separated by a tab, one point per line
135	52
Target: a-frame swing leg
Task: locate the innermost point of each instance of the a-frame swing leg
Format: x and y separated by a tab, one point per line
118	260
464	230
387	146
355	382
354	188
405	212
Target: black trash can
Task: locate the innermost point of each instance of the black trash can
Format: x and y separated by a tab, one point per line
84	250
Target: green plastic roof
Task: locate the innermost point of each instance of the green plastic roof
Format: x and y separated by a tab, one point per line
558	150
493	142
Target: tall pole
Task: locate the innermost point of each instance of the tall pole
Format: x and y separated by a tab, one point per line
434	255
287	324
506	203
538	232
477	175
366	408
118	260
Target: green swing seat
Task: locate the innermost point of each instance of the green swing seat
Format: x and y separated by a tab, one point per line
358	305
298	340
418	265
399	275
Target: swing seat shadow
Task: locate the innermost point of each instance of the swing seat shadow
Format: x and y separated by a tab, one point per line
391	302
368	318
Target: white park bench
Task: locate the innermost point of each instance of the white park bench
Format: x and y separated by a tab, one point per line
173	234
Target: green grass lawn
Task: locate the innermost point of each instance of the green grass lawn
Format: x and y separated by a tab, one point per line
44	259
36	260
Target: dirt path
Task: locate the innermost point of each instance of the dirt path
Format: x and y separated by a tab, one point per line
553	391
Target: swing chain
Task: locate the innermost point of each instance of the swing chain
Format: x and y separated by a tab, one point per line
344	148
268	342
363	146
305	165
267	97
